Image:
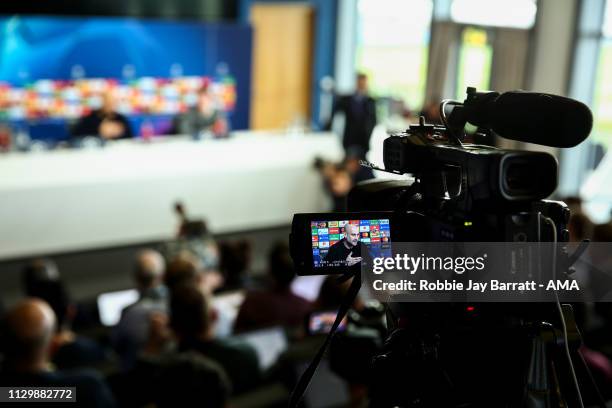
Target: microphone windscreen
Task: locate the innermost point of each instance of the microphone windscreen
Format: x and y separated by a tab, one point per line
540	118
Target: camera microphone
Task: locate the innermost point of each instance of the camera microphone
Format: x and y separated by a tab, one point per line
531	117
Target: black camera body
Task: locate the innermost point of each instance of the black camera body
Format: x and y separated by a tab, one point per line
471	176
466	193
455	354
459	192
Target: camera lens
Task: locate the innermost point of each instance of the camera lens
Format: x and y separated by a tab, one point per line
528	176
519	177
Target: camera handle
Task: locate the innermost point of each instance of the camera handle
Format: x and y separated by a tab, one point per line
571	259
351	295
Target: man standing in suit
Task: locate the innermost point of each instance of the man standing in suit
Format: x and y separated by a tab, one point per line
359	110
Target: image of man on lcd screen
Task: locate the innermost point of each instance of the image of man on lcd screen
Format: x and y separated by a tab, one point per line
346	251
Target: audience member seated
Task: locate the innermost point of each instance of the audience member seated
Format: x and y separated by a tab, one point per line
27	338
352	164
193	322
431	111
204	117
235	264
185	269
190	379
105	122
278	305
68	350
340	178
195	241
132	331
174	380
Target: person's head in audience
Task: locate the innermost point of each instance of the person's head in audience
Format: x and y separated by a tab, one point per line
27	338
191	316
182	270
41	280
185	269
194	245
37	271
281	266
149	270
28	331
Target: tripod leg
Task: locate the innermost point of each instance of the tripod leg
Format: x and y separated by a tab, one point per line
538	388
583	373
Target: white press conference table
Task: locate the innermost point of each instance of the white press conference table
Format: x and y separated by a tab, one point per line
122	194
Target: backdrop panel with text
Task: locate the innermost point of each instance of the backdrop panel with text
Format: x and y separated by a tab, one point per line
39	54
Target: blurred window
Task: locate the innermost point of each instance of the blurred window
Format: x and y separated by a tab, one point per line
585	169
474	63
602	96
607	25
392	47
499	13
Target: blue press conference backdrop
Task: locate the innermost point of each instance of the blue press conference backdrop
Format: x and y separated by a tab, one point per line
58	48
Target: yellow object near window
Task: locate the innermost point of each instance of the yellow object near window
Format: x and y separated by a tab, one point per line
392	48
602	98
474	64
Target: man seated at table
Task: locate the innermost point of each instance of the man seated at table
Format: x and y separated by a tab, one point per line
105	122
204	117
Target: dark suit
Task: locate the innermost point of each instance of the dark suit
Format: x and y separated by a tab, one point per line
90	125
360	118
339	252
